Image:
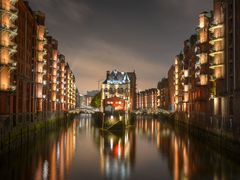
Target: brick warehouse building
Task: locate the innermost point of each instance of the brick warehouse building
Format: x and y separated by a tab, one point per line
171	87
207	72
148	100
121	85
163	96
133	89
29	70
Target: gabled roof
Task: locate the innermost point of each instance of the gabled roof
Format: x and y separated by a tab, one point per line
117	77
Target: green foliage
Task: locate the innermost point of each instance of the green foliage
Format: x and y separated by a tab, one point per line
96	101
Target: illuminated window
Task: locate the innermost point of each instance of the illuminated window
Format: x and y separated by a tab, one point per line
203	79
203	58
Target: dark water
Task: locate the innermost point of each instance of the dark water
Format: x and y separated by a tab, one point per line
151	150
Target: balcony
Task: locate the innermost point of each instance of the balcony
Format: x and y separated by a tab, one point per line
214	40
39	60
12	29
39	72
5	61
44	52
9	9
215	26
215	52
214	78
13	1
12	63
10	45
11	87
3	27
13	9
44	41
13	51
214	65
12	68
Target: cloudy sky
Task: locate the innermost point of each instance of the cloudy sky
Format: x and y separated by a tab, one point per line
140	35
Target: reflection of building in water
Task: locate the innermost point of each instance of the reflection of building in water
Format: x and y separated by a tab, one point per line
179	163
56	163
38	173
117	154
181	153
168	144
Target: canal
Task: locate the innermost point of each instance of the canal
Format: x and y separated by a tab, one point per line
151	150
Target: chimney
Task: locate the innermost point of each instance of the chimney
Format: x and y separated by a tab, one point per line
108	73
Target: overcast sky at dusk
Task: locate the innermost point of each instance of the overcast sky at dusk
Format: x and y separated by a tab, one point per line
140	35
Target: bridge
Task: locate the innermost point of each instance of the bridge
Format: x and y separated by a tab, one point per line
83	109
155	111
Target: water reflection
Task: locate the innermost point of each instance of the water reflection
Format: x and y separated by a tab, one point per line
187	158
117	154
153	149
56	163
49	158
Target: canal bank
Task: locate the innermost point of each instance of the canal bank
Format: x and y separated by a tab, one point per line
20	135
219	140
216	138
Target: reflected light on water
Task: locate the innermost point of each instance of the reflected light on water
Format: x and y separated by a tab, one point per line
176	160
115	152
185	162
45	170
61	155
152	146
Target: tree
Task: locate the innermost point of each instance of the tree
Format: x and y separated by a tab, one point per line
96	101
